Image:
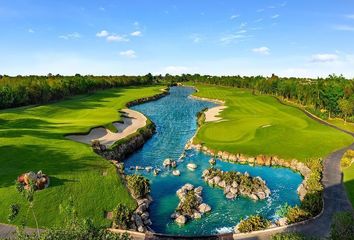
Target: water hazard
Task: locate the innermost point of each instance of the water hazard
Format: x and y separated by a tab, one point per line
175	119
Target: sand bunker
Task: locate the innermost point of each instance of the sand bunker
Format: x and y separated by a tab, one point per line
211	115
133	121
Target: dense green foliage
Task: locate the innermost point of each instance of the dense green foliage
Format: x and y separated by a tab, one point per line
21	91
342	227
291	236
121	216
316	94
32	139
253	223
296	214
347	159
138	185
255	125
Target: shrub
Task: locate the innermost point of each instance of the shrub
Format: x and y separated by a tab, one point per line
342	227
296	214
138	185
121	216
312	203
253	223
347	159
290	236
282	210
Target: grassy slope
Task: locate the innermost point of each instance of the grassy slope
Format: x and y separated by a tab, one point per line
341	124
291	134
349	182
32	138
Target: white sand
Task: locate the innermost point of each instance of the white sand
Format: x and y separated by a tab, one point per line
133	121
211	115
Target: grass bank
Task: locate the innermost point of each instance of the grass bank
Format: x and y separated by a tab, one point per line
261	125
32	138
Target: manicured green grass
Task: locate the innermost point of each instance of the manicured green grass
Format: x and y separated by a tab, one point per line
261	125
341	124
32	138
349	182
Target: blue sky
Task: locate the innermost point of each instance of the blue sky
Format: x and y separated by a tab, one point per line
222	37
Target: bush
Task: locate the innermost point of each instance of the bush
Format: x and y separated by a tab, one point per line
347	159
121	216
253	223
342	227
138	185
312	203
296	214
290	236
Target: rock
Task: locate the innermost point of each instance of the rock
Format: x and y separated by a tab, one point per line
234	184
211	181
222	184
236	229
142	208
188	186
203	208
173	164
301	190
181	220
192	166
148	169
225	156
176	172
198	190
197	215
205	173
166	162
216	180
141	229
212	161
147	222
230	195
233	191
145	216
282	221
227	189
253	196
261	195
232	158
156	172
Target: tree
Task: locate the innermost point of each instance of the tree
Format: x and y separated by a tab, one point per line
346	107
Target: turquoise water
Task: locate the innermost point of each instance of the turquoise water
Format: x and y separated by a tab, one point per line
175	119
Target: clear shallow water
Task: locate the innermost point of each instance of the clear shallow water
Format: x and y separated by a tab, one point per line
175	119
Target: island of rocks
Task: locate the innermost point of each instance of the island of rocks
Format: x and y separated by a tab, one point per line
236	183
191	204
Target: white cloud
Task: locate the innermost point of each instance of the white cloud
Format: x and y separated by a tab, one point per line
231	38
234	16
350	16
325	57
243	24
117	38
260	10
103	33
196	38
136	34
283	4
102	9
275	16
70	36
241	31
261	50
128	53
258	20
30	30
343	28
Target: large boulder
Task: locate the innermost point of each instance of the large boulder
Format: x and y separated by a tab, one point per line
204	208
181	220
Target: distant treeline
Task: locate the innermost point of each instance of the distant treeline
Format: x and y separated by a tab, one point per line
26	90
326	97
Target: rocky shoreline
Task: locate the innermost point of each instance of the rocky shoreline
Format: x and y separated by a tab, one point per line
237	184
191	204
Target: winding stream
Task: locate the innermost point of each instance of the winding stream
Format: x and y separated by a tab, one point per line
175	119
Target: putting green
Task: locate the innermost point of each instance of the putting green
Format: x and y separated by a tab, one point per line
255	125
32	138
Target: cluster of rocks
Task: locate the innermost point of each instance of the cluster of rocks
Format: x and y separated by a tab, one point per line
191	204
169	163
140	220
236	183
148	99
261	160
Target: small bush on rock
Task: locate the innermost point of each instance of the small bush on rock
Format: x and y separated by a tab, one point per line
138	185
253	223
296	214
189	204
312	203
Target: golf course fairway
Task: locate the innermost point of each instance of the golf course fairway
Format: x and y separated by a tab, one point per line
254	125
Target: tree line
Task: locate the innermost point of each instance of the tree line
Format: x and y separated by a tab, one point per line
326	97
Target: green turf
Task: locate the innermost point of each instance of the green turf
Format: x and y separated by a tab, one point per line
349	182
349	126
32	138
291	133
